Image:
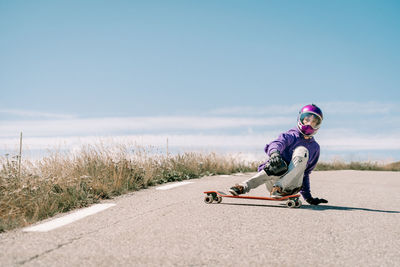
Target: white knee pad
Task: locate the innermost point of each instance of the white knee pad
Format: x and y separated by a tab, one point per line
300	156
293	179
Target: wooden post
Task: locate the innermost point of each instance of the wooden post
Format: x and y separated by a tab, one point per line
20	156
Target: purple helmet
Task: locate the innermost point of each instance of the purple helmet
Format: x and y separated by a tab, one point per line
309	120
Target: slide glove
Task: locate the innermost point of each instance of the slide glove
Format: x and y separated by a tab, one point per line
316	201
276	165
275	160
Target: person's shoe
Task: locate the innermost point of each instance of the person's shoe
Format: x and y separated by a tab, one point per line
276	192
236	190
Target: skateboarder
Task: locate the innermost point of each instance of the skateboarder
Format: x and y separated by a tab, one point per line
292	157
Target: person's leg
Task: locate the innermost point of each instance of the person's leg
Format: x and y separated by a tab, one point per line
257	180
293	179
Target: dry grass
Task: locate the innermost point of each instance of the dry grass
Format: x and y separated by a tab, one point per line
363	166
60	183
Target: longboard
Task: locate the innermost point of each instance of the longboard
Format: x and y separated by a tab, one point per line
292	201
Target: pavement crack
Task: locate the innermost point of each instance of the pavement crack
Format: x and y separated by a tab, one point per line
48	251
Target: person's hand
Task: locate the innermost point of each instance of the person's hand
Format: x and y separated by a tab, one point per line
275	159
276	165
316	201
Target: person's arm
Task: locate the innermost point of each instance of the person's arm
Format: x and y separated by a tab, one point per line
279	144
305	190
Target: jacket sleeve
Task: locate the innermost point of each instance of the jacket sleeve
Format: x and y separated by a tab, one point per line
283	141
305	189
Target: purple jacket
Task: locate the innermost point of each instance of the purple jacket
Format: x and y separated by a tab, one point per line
285	144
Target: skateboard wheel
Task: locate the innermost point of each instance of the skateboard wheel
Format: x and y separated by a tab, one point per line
290	204
298	203
208	199
218	199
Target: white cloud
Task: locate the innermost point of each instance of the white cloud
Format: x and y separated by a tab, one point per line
160	140
361	143
365	108
125	124
249	133
271	110
331	108
238	143
35	114
352	140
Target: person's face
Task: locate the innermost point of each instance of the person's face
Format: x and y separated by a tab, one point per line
311	120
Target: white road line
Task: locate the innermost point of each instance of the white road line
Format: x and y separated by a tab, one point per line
166	187
48	226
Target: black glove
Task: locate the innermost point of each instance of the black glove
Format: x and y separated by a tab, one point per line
316	201
276	165
275	160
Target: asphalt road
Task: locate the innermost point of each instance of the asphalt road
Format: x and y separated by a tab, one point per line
359	226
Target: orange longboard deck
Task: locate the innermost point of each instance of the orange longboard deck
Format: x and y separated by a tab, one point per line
222	194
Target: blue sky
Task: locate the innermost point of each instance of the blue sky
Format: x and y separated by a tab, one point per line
209	69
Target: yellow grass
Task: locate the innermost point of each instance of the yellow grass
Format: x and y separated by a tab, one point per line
61	182
364	166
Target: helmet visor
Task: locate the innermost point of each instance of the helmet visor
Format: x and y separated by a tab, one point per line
310	118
